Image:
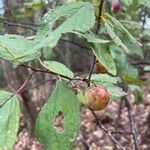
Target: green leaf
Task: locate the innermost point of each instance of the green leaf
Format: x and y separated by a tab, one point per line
75	17
121	36
138	93
9	119
115	91
103	55
131	79
65	101
122	28
17	49
111	31
58	68
110	84
104	78
134	48
119	57
92	38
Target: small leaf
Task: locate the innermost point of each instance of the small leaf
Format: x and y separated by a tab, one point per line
9	120
65	101
59	68
104	78
103	55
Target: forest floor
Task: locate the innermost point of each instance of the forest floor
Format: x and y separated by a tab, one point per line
91	137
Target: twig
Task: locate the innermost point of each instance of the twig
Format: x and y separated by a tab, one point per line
118	118
119	146
46	71
97	29
120	132
141	63
72	42
17	92
99	16
132	123
91	70
13	23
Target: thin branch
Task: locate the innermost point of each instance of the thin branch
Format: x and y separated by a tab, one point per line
17	92
118	120
132	123
120	132
45	71
97	29
91	70
72	42
141	63
25	82
14	23
119	146
37	85
99	15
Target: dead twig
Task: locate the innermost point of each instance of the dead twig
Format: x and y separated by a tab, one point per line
118	145
132	123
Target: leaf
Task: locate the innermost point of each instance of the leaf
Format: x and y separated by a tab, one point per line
75	17
134	48
115	91
17	48
108	82
64	100
122	37
59	68
114	37
131	80
92	38
104	78
9	120
119	57
122	28
138	93
102	53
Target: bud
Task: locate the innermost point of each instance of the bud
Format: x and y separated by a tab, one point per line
115	7
97	97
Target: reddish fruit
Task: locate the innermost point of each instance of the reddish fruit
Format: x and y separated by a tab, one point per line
115	7
97	97
100	68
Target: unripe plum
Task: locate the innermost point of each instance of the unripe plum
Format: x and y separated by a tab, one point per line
97	97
